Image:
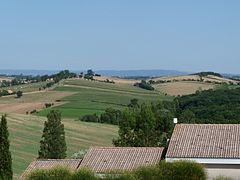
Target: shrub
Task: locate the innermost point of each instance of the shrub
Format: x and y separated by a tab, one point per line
84	174
188	170
222	178
144	85
38	175
57	173
19	94
120	176
48	105
90	118
33	111
147	173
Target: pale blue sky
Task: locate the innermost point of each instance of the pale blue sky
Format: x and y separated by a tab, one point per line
120	34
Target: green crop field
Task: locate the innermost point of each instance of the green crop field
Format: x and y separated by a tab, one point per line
26	87
25	133
95	97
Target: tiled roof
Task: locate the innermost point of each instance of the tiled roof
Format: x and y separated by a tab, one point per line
205	141
50	163
104	159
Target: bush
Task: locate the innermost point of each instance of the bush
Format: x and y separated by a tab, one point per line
144	85
147	173
33	111
84	174
178	170
19	94
222	178
120	176
90	118
57	173
188	170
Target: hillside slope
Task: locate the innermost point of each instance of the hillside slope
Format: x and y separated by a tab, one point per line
26	131
184	85
92	97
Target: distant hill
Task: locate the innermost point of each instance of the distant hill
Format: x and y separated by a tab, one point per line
208	73
142	73
118	73
189	84
27	72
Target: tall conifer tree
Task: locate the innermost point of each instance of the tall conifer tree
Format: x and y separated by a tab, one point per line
5	154
53	144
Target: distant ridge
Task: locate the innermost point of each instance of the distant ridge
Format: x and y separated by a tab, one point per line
149	73
119	73
27	72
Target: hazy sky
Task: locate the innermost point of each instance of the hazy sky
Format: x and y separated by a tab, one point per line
120	34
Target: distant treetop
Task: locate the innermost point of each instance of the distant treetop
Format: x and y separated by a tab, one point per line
208	73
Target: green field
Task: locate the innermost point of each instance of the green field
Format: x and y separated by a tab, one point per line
95	97
25	133
26	87
78	97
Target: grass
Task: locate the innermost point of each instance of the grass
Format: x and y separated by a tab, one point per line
95	97
26	87
25	133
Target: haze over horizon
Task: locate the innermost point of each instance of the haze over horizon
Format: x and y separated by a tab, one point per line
120	35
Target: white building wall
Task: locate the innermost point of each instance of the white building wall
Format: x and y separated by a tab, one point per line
207	160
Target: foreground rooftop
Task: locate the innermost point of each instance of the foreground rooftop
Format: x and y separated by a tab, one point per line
205	141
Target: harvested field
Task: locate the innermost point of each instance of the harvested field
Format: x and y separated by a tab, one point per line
31	101
182	88
22	108
117	80
209	78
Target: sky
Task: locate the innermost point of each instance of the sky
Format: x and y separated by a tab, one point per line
181	35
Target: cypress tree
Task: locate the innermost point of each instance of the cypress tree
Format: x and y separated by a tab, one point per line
5	154
53	144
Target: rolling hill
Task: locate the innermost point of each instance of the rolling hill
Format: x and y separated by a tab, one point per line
184	85
25	133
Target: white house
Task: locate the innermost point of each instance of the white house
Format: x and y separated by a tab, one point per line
216	146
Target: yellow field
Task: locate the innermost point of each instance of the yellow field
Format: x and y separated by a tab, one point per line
182	88
189	84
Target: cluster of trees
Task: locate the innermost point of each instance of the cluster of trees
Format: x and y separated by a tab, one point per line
204	74
144	85
22	79
110	116
6	93
146	126
179	170
5	154
211	106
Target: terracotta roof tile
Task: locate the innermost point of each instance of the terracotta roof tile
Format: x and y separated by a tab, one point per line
50	163
205	141
104	159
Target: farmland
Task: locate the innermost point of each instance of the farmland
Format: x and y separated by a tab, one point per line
182	88
184	85
26	87
95	97
30	101
25	133
74	98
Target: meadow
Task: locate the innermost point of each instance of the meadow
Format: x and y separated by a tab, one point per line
95	97
26	87
25	133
